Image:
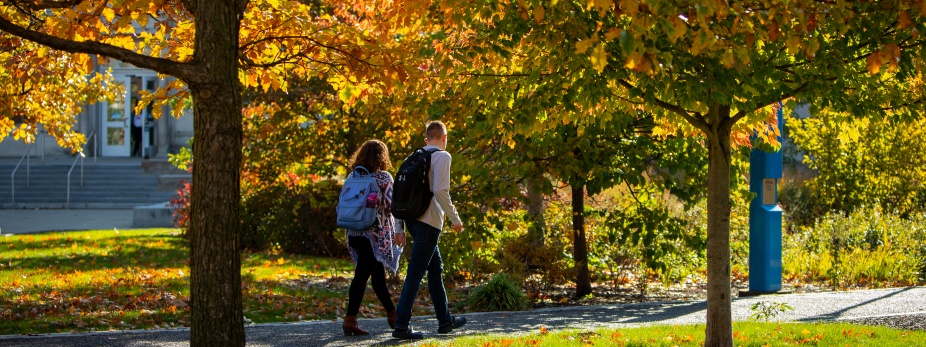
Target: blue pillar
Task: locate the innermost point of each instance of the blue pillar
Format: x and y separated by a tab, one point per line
765	219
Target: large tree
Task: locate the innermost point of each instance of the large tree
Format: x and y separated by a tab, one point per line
705	67
213	48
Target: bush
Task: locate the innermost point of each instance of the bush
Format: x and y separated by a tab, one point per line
297	219
538	267
866	247
499	294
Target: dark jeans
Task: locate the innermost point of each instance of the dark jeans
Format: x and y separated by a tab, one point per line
425	258
136	141
367	266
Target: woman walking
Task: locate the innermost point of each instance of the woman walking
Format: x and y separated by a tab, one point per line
373	249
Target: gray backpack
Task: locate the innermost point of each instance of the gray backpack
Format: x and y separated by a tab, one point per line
358	202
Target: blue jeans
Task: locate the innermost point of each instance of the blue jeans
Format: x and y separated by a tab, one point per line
425	257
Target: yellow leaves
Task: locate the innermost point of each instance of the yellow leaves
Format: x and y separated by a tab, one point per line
728	59
109	14
6	125
183	53
126	42
679	28
140	18
599	58
601	5
793	44
281	261
811	47
23	133
636	61
583	45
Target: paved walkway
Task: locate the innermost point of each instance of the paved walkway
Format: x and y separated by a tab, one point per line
36	221
807	307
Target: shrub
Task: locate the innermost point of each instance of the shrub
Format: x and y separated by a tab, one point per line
299	219
180	207
295	219
865	247
538	267
499	294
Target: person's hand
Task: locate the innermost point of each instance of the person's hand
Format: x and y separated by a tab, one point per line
400	240
457	227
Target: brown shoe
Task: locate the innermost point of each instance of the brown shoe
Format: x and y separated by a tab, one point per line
391	318
350	327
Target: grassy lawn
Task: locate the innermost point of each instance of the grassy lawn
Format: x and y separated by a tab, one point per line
138	279
744	334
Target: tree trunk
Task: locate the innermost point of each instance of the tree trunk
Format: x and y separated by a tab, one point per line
579	243
719	330
215	262
535	210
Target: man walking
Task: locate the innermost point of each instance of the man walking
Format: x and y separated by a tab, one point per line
425	232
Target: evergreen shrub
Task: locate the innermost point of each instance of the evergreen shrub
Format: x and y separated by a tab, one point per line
499	294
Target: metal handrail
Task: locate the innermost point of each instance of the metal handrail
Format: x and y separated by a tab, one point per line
13	175
67	205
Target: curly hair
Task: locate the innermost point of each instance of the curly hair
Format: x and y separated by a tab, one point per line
373	156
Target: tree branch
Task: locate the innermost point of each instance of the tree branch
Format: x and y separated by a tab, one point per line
183	71
698	123
742	113
45	5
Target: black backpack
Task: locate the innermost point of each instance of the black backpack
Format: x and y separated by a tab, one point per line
411	192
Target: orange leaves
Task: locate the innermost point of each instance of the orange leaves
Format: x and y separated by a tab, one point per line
539	13
903	20
773	31
889	54
740	337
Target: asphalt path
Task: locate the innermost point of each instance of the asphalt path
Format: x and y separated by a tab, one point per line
872	305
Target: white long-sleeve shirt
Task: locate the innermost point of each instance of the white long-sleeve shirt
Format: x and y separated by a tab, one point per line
441	204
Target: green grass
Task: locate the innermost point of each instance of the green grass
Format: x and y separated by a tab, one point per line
139	279
745	334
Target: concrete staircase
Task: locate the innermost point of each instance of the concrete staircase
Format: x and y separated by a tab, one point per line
109	184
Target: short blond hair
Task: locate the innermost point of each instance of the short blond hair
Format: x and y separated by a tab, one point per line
435	129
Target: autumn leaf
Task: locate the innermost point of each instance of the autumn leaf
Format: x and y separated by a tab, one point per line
539	13
599	58
612	34
873	63
583	45
109	14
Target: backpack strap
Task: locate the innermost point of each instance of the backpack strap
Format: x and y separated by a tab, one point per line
358	168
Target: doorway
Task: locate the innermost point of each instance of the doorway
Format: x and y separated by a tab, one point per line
123	132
